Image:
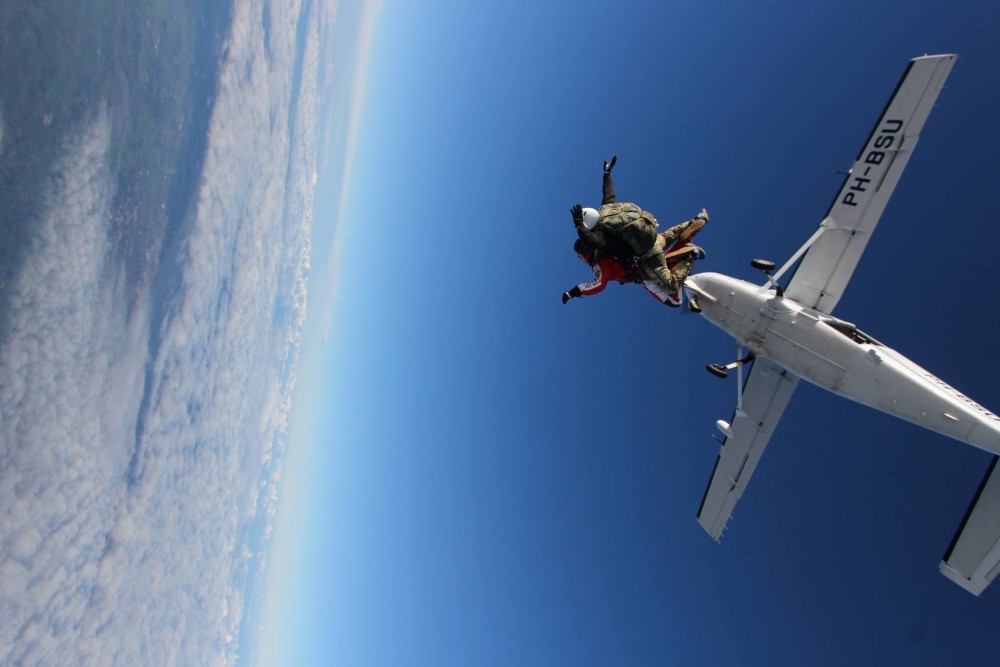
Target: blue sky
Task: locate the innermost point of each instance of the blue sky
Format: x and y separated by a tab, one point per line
478	474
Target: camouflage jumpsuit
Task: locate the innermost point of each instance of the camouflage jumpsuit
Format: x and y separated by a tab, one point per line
638	228
672	275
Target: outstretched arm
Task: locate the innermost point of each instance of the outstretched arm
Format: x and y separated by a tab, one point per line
586	289
605	270
609	183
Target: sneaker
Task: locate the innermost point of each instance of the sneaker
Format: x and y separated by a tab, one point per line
693	303
703	215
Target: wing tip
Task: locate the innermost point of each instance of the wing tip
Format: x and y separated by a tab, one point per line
716	535
935	56
974	585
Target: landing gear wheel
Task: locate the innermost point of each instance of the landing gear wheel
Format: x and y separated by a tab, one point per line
764	265
718	370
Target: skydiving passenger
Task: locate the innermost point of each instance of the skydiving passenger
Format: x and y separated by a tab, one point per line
607	268
627	233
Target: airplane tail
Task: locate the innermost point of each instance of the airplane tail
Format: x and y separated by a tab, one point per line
973	559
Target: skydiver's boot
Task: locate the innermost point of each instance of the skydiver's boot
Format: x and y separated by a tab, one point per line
687	251
695	224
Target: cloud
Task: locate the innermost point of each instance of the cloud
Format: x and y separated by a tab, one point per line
132	473
71	360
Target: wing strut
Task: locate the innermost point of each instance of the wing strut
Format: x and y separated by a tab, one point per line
828	223
739	379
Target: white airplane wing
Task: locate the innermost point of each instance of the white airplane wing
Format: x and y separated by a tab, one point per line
765	395
973	559
833	253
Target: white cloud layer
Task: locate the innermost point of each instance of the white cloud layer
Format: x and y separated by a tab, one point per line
133	462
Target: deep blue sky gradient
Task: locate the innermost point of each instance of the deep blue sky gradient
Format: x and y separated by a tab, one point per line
480	475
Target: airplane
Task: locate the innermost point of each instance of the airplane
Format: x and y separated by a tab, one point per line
789	333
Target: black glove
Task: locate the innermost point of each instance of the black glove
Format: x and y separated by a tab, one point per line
577	213
572	294
609	165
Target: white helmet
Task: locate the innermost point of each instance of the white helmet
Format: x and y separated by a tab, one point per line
590	217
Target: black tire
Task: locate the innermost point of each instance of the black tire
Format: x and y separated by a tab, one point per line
764	265
717	370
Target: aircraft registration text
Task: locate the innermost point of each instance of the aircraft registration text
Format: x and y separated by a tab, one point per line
861	174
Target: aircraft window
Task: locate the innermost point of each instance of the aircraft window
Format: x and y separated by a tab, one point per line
852	332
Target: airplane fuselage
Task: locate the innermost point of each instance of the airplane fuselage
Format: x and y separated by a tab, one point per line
839	357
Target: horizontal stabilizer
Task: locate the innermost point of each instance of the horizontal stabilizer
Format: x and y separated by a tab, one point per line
973	559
